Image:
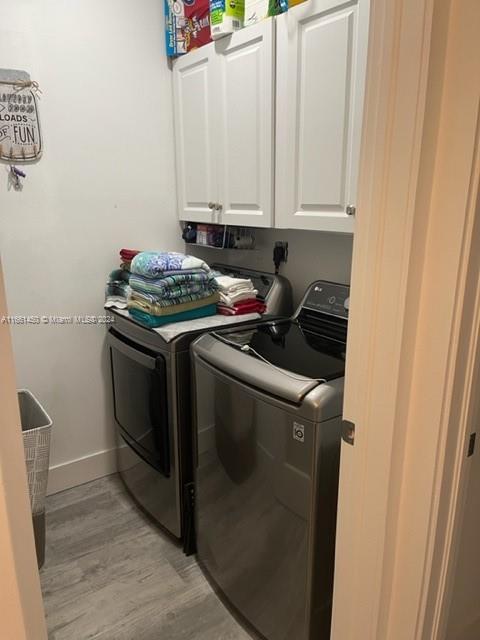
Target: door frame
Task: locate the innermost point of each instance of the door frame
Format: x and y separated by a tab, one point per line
21	606
407	386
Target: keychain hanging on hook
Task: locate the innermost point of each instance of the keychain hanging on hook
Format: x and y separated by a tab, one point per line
15	176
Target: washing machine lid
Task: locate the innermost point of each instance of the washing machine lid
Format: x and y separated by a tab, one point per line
290	346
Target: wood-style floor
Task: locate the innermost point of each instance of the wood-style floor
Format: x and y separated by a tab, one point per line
109	574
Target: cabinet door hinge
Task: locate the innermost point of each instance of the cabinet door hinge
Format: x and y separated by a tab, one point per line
351	210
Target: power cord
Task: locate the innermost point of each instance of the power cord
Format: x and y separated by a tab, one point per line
280	254
246	348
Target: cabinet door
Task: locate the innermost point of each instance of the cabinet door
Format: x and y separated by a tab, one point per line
321	60
245	92
193	87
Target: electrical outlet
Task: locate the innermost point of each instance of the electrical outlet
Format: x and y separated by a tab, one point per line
280	254
284	247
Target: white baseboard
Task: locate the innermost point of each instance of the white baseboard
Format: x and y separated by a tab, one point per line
75	472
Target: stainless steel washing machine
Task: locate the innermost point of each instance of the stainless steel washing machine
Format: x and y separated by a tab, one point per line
268	430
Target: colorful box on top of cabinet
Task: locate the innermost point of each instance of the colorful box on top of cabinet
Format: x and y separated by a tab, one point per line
226	16
187	25
256	10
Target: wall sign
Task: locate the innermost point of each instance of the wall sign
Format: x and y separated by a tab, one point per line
20	135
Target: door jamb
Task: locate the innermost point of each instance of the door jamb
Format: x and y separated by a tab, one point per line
418	161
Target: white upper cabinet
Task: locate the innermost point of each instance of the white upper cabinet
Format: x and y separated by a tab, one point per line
269	122
245	126
321	60
193	87
224	118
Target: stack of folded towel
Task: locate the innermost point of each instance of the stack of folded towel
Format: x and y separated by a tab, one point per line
127	255
117	289
170	287
237	297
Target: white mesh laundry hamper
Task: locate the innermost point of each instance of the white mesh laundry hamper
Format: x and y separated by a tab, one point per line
36	431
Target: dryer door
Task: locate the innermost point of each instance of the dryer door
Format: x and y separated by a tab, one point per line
140	400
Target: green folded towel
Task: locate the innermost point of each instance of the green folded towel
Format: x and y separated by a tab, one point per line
152	322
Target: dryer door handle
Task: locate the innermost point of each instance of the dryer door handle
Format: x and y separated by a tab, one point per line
142	358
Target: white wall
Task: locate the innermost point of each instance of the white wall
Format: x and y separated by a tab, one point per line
312	255
105	181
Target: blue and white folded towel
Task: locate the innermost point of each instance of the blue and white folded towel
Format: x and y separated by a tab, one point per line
152	264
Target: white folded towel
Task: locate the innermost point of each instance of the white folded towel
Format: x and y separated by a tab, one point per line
232	298
228	285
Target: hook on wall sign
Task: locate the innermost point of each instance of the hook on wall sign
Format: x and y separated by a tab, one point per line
14	177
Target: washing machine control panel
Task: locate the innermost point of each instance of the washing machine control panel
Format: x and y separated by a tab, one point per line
327	297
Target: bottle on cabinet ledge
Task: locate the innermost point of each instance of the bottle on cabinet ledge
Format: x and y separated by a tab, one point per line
218	236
